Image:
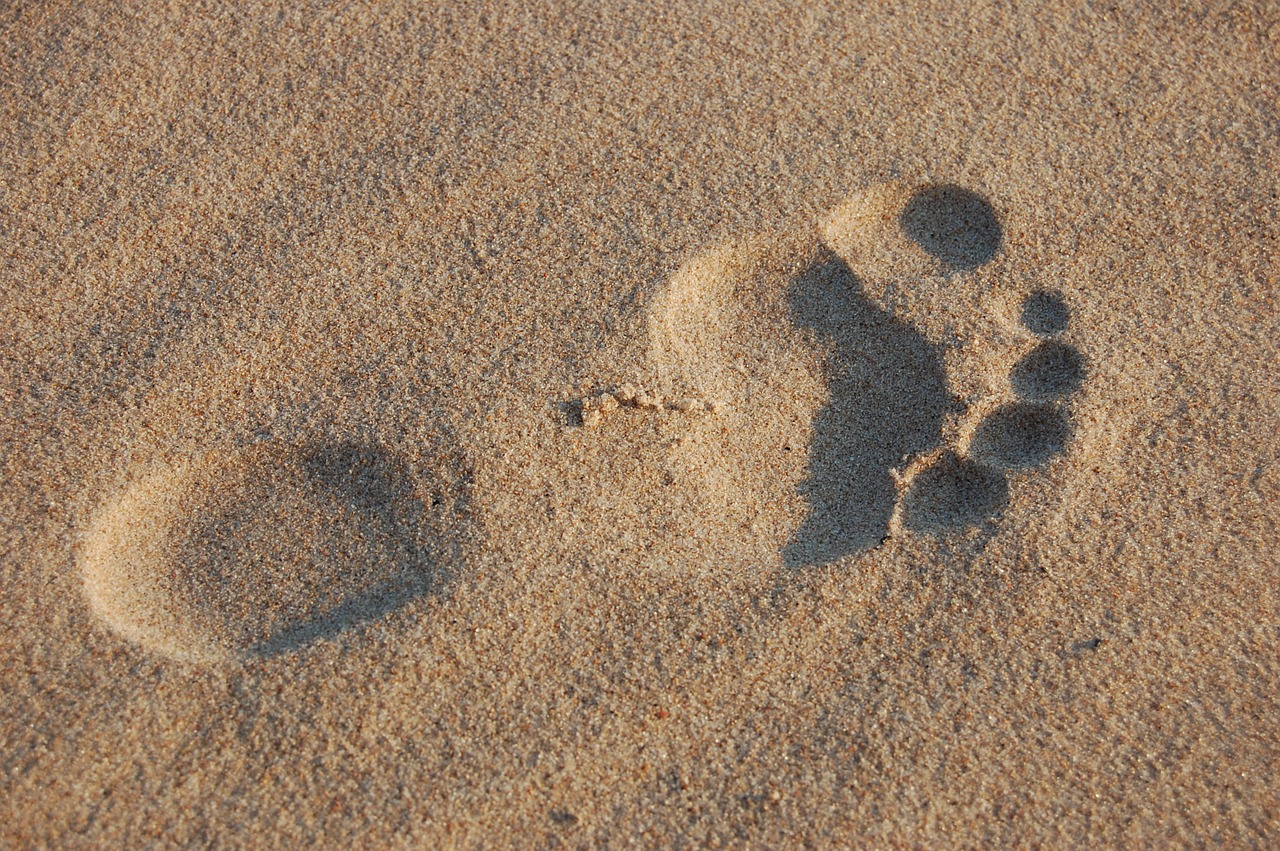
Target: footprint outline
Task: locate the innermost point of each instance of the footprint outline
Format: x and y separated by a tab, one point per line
971	476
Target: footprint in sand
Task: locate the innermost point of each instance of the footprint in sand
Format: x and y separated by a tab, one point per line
263	530
248	552
828	383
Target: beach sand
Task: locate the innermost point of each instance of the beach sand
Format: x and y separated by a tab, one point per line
693	425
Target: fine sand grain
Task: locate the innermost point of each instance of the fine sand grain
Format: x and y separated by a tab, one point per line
694	425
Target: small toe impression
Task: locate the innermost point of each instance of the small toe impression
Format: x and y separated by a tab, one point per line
952	494
1048	372
1021	436
1045	314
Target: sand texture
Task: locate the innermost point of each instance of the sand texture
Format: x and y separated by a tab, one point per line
639	425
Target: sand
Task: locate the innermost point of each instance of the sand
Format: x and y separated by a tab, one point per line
681	425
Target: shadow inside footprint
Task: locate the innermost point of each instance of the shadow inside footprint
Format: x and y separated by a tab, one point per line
1021	436
1049	371
951	494
887	399
954	224
375	489
264	587
1045	313
251	552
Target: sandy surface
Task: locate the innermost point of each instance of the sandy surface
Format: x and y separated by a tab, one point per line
659	425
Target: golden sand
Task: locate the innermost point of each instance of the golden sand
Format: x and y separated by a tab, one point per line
668	426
